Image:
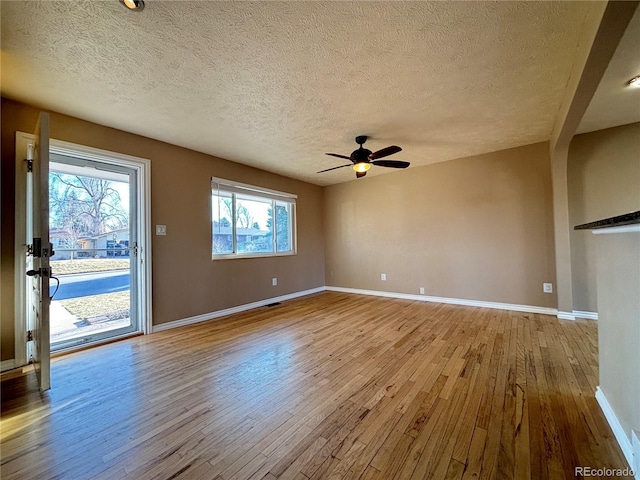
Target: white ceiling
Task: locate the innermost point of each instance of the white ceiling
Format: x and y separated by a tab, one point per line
275	85
614	103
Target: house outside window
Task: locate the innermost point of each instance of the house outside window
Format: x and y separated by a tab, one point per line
250	221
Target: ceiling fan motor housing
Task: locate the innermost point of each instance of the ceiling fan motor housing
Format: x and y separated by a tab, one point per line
360	155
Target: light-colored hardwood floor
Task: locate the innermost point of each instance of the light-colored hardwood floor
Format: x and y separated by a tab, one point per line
327	386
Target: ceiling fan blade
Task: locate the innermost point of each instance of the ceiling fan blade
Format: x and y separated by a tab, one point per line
391	163
333	168
339	156
385	152
360	174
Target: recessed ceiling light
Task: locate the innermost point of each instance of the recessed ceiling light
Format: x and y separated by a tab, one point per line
135	5
634	82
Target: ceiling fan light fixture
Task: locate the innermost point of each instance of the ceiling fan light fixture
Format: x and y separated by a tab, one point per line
361	167
634	82
362	159
134	5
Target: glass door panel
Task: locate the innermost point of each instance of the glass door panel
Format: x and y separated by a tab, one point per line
92	225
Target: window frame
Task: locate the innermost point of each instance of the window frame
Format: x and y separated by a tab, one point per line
233	188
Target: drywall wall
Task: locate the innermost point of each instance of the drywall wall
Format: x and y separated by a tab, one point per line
603	181
602	29
618	267
186	282
477	228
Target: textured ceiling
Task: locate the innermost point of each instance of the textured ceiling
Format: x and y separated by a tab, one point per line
277	84
614	103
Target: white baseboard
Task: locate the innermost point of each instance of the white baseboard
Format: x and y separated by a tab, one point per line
229	311
635	443
7	365
406	296
585	315
618	431
454	301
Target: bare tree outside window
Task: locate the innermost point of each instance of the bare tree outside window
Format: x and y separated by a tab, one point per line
85	206
253	223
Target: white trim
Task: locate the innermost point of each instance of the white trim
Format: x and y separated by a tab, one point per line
635	444
144	209
246	189
232	256
20	250
7	365
618	431
585	315
262	194
620	229
566	315
143	168
69	149
104	341
229	311
454	301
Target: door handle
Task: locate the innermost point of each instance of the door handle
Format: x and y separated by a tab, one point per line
45	272
40	271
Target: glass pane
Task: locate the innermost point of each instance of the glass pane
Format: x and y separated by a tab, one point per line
221	215
283	227
89	230
254	226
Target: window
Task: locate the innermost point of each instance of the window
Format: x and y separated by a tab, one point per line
251	221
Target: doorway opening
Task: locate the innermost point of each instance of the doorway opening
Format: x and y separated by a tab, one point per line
92	220
99	233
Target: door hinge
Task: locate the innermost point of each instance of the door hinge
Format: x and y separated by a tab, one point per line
37	250
36	247
48	252
29	335
29	165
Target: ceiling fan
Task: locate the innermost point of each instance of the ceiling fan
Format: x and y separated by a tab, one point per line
362	158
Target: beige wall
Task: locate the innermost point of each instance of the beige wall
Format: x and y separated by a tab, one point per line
186	282
602	29
618	265
603	181
477	228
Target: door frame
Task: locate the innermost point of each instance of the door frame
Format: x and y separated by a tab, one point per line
143	169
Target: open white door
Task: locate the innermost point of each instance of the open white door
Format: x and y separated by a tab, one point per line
39	251
37	333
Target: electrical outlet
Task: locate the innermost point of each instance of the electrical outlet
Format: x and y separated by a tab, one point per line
274	281
383	277
421	290
161	229
547	287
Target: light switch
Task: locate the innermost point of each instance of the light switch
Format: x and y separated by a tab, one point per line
161	229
